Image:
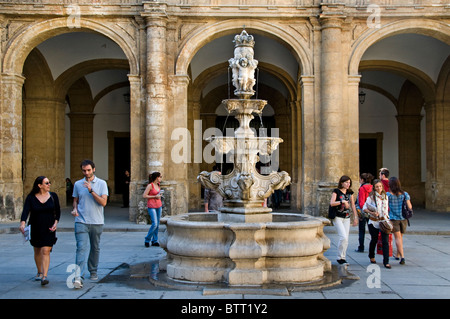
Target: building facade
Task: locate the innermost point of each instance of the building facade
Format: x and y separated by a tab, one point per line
351	85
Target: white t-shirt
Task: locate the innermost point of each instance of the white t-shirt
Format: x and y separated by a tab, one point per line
89	211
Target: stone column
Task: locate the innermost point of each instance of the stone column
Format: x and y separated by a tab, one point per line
437	140
11	187
156	88
331	100
81	141
197	155
409	156
352	154
208	121
44	143
332	116
178	165
307	159
137	144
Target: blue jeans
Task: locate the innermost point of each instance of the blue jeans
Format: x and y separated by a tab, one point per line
362	232
155	216
87	235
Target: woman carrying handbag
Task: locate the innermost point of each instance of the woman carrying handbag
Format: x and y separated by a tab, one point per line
42	206
342	198
377	206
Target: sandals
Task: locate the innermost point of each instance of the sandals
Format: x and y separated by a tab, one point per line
373	261
44	281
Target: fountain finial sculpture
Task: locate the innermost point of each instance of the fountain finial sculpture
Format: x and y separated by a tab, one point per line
245	189
243	65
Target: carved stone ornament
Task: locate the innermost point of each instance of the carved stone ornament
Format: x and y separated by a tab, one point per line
243	65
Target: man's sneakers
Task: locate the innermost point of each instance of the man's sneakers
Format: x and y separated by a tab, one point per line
94	276
77	283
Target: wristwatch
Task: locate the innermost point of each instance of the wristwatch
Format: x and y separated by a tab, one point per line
91	190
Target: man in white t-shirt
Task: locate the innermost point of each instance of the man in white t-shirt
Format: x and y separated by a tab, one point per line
90	196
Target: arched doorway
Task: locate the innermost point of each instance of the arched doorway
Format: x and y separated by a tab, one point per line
94	79
400	71
278	71
52	87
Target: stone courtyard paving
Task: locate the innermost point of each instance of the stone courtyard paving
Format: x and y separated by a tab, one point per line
426	274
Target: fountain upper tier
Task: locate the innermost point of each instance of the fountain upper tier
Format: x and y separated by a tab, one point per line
245	140
244	189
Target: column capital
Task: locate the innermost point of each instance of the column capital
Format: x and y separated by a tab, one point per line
155	13
135	78
13	78
331	22
332	15
306	79
354	79
182	79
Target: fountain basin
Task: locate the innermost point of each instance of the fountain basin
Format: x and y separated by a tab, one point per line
202	249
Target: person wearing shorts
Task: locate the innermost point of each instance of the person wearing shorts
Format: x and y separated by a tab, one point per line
396	196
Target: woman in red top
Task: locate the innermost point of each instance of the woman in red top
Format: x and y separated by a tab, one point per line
364	191
154	205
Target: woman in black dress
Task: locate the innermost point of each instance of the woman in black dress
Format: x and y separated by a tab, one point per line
44	210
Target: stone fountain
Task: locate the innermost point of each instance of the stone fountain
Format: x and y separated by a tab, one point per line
245	244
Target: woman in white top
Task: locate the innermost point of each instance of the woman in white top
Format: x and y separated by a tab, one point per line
377	206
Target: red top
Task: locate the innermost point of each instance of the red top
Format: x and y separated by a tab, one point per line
385	184
154	202
363	193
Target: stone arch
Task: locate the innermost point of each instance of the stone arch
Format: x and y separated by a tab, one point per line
40	70
432	28
443	83
208	33
198	39
68	77
214	71
379	90
416	76
22	43
109	89
409	137
42	134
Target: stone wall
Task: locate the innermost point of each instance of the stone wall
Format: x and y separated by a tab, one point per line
160	39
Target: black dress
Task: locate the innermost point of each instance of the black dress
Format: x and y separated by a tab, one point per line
42	218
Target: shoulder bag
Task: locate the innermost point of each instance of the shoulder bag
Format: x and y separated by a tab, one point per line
406	212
